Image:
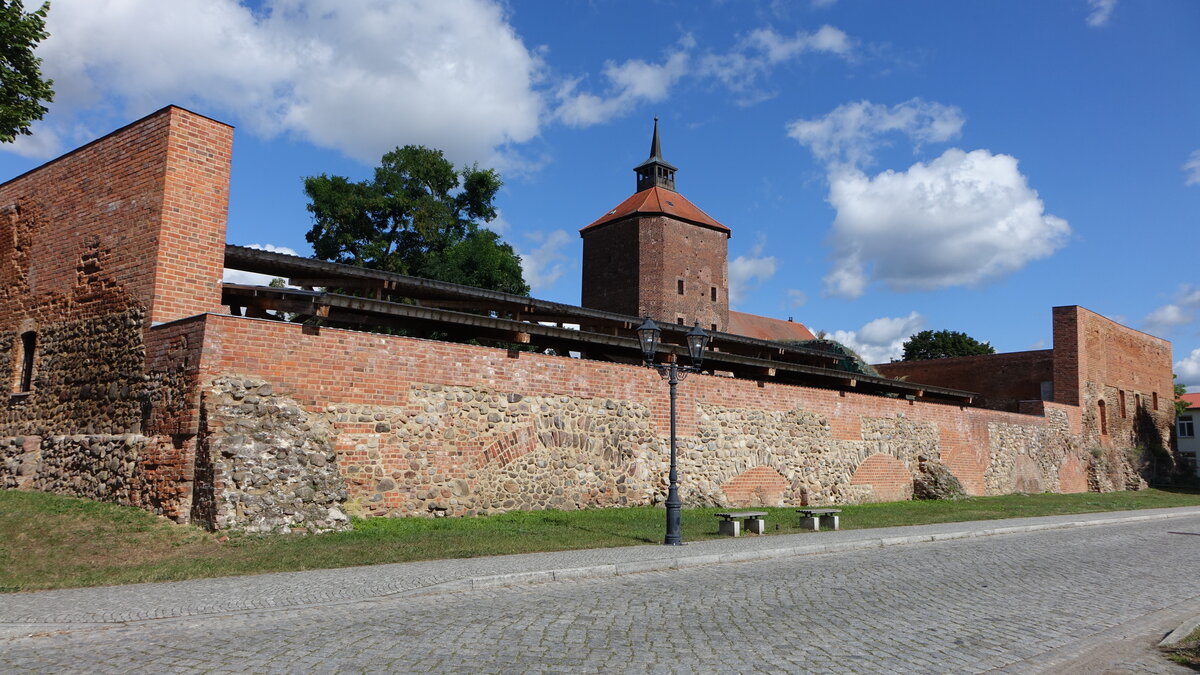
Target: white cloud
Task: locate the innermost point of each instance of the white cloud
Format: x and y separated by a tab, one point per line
359	78
959	220
1165	318
498	224
757	52
1188	295
1188	369
748	272
882	339
796	298
254	278
629	83
1192	168
42	143
848	135
544	264
1179	313
1101	11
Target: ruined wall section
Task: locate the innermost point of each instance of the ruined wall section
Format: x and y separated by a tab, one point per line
95	247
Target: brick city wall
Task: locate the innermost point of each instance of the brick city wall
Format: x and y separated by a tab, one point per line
112	254
1002	380
417	427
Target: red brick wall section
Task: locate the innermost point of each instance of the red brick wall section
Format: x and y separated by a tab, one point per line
136	217
191	250
173	362
1002	380
610	267
759	486
1068	360
1072	476
1111	359
888	477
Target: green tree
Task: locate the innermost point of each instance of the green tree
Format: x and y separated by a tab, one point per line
940	344
22	89
418	216
1180	405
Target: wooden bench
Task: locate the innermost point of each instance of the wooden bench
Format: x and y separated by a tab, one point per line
732	523
813	519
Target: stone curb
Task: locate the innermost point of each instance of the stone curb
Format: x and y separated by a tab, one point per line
1175	637
663	564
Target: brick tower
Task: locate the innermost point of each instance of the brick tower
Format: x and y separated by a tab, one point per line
657	254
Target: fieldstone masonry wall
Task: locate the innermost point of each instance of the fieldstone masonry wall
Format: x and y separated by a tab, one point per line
453	450
273	465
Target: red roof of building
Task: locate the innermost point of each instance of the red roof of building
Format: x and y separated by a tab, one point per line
766	328
1193	400
655	201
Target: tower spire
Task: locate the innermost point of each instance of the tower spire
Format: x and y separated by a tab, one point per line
655	148
655	171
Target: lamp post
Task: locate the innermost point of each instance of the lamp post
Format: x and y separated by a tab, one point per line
697	340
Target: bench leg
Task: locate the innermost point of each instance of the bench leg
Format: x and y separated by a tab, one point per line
731	528
756	525
810	523
830	521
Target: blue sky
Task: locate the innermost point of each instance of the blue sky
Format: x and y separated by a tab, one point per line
885	167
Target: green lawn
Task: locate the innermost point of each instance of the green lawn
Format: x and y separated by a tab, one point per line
48	541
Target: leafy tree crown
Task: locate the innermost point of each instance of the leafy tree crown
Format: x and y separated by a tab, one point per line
940	344
1181	405
22	89
419	216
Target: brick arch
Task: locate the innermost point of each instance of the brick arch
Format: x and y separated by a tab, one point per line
757	486
1072	475
888	477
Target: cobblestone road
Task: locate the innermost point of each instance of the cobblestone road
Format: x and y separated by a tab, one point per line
1018	603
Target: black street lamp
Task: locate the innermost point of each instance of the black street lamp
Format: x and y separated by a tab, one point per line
697	340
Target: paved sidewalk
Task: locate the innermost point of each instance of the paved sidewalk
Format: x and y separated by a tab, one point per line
117	604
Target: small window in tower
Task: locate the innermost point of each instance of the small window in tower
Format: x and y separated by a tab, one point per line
28	347
714	327
1121	400
679	286
1137	401
1154	398
712	292
679	320
1103	418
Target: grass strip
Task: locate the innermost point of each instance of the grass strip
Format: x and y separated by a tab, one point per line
49	541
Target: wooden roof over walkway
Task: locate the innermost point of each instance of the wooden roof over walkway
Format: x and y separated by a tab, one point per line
370	297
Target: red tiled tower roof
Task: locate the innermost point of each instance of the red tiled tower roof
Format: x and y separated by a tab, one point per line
659	201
